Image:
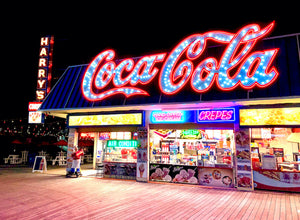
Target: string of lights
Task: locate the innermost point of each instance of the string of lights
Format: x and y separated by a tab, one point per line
52	126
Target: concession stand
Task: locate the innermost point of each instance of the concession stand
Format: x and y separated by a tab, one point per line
274	140
221	109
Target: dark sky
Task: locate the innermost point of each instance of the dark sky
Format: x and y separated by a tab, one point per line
81	32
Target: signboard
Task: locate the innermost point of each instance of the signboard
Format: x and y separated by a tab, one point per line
40	164
159	117
34	106
120	170
216	115
174	173
122	143
142	167
109	119
35	117
270	116
244	176
45	67
185	65
216	177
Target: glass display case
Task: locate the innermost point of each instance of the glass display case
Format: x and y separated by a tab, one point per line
121	151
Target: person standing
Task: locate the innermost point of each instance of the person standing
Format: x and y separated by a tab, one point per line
76	161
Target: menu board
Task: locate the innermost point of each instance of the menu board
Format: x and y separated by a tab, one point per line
40	164
109	119
243	165
270	116
142	156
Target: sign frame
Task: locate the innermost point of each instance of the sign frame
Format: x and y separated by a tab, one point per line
185	117
281	112
40	164
217	115
72	125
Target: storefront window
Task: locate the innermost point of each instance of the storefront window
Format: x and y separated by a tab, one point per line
117	147
275	148
193	147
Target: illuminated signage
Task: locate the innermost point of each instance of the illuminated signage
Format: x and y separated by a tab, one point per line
186	65
157	117
216	115
34	106
45	67
87	135
109	119
191	133
270	116
35	117
122	143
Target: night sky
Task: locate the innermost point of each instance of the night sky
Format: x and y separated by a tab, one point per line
81	32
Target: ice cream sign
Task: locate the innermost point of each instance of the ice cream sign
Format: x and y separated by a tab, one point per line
186	65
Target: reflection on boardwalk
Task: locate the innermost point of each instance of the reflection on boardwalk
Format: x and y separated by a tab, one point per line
35	196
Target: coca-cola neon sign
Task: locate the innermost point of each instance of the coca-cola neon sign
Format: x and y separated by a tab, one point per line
183	65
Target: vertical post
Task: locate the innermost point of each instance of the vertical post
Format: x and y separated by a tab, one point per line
244	172
96	139
297	39
72	141
142	155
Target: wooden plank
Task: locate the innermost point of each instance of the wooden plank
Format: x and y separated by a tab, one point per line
40	196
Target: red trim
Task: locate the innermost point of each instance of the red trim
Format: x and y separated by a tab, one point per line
289	189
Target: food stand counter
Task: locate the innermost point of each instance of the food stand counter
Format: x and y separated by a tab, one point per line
277	180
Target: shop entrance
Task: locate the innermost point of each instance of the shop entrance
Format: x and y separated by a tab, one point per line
117	152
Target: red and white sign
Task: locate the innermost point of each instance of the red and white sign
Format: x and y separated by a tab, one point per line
34	106
34	117
186	65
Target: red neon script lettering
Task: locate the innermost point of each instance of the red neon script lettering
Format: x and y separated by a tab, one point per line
182	65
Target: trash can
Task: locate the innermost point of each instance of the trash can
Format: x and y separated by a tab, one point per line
31	158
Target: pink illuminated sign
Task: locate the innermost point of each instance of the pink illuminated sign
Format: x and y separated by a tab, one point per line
186	65
169	116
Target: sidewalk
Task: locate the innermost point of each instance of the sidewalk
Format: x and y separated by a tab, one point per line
27	195
87	170
52	170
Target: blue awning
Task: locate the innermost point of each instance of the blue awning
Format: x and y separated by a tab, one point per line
66	95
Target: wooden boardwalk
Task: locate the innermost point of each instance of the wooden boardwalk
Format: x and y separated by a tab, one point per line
48	196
